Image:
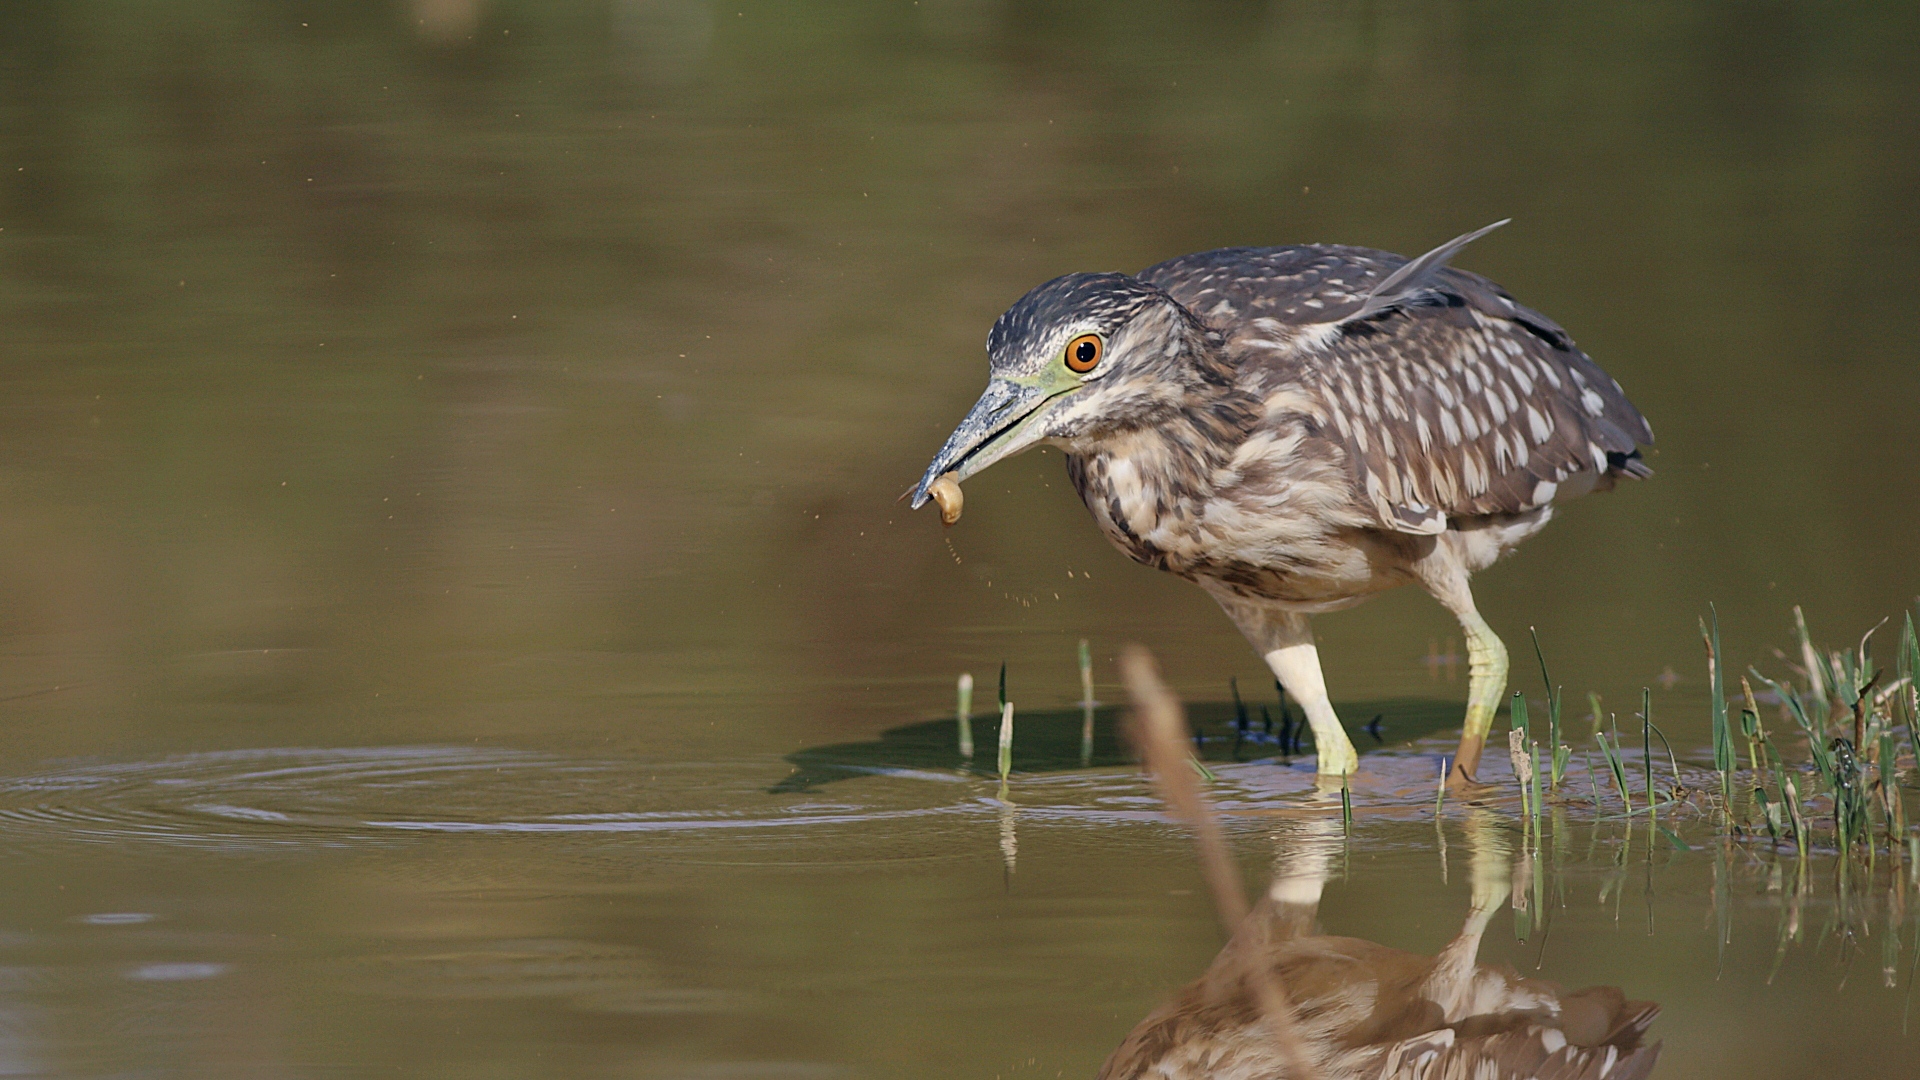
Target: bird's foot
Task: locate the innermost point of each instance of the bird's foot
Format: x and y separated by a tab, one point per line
1338	761
1461	781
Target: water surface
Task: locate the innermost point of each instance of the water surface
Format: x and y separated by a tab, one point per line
449	464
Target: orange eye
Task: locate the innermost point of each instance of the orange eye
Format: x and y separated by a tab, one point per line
1083	353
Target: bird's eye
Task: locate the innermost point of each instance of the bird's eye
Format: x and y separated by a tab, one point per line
1083	353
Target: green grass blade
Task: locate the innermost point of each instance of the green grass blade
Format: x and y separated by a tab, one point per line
1673	761
1723	757
1617	767
1646	742
1910	696
1558	759
1797	708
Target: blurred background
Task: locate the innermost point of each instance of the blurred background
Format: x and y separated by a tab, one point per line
482	367
540	377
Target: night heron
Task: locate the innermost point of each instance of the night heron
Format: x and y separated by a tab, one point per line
1297	428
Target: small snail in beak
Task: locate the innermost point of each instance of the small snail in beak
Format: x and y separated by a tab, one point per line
946	492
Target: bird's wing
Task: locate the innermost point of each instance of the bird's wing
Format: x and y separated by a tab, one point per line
1450	401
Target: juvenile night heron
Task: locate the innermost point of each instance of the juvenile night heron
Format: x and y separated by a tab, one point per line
1297	428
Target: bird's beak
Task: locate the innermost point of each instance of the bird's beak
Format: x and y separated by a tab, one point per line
1005	421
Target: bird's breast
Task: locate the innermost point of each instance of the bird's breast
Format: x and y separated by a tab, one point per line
1266	517
1143	502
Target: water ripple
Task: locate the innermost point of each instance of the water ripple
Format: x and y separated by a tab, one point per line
347	797
293	798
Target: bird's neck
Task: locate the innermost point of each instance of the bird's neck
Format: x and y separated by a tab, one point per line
1181	448
1191	421
1148	484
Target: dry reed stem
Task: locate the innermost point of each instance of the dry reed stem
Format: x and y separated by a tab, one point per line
1157	728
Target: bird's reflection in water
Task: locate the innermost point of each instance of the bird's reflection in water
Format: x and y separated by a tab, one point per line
1283	1001
1361	1009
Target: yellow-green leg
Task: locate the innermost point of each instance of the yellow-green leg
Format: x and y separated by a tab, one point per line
1486	685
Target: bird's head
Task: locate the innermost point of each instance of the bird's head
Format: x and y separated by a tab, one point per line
1081	357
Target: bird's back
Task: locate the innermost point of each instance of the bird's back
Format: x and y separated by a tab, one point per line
1298	284
1447	400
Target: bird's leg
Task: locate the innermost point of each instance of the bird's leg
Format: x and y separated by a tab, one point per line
1443	574
1486	683
1283	639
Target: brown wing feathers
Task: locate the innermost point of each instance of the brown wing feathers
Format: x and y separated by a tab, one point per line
1449	399
1448	412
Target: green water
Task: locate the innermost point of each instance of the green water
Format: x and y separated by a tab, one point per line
448	478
